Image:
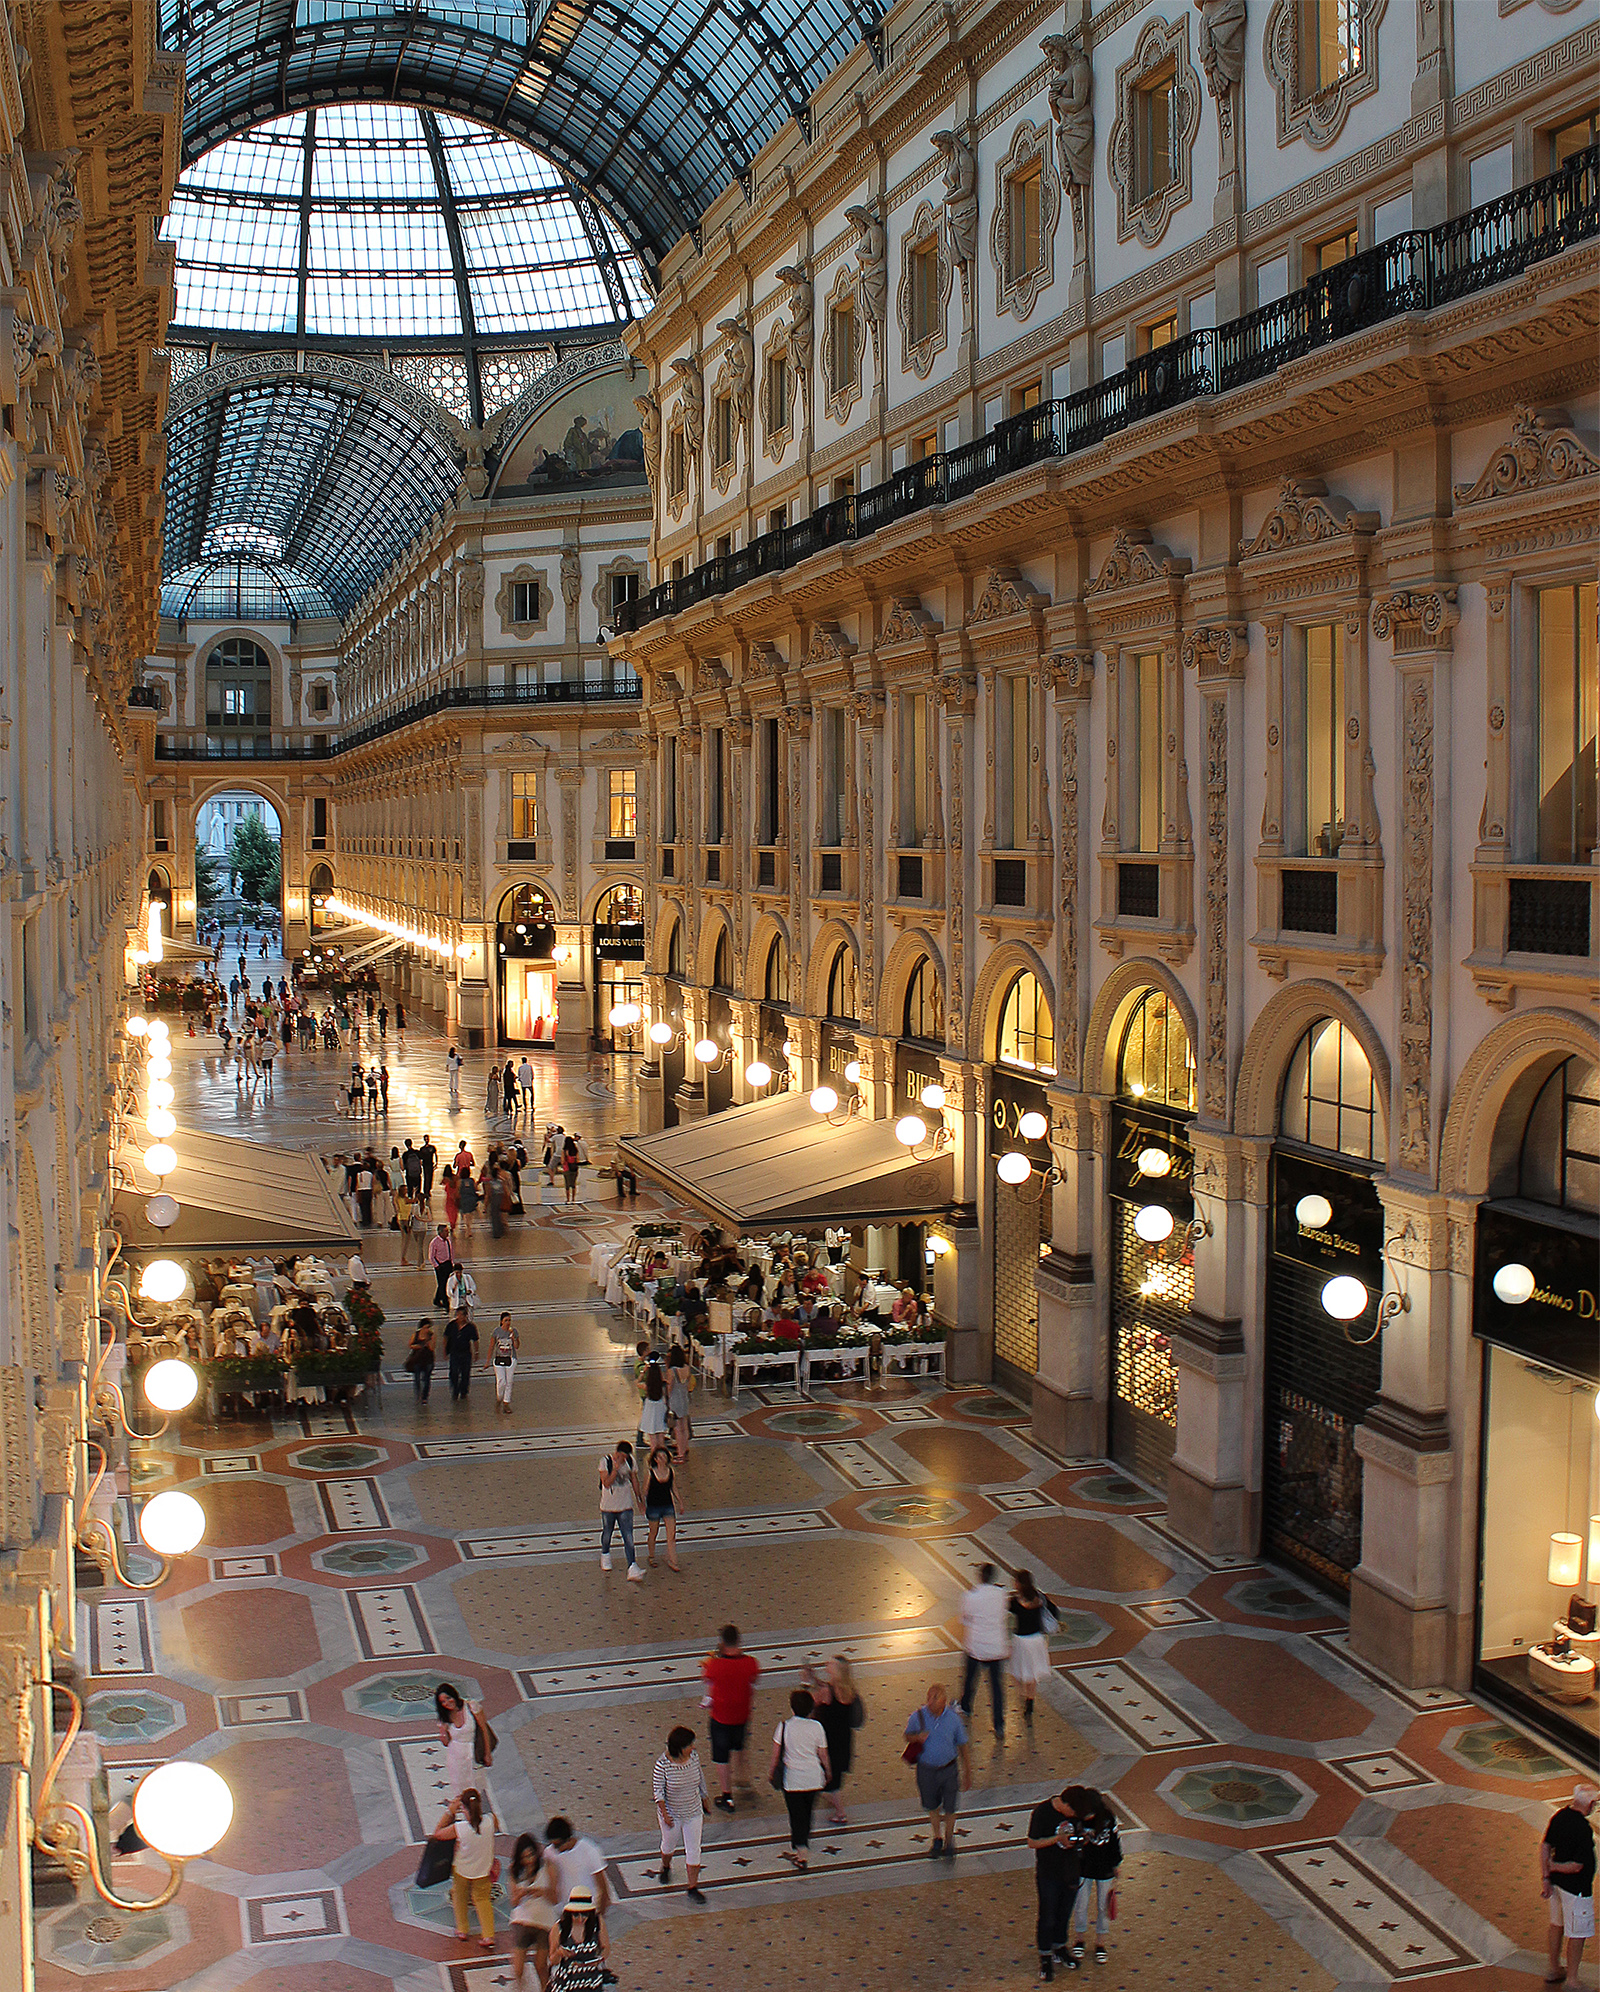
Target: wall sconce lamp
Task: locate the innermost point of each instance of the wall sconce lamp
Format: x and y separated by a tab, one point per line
181	1810
1346	1298
826	1101
911	1131
711	1056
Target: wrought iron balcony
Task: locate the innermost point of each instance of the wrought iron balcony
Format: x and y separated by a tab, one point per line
574	691
1417	271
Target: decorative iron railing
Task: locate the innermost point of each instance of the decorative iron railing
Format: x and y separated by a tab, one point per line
1417	271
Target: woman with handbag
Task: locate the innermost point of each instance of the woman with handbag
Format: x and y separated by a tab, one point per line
799	1769
472	1826
467	1738
1034	1619
420	1360
533	1914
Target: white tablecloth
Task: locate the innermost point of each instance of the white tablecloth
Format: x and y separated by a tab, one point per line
601	1259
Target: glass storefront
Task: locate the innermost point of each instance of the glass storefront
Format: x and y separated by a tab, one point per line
525	944
1022	1222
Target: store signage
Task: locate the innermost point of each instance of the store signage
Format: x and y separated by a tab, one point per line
915	1066
838	1051
1011	1095
1558	1324
1132	1134
1348	1239
619	943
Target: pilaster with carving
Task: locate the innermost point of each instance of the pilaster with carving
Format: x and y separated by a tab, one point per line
956	693
1217	653
1070	676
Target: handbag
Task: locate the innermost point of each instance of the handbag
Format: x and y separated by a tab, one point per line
484	1741
438	1859
915	1745
776	1779
1049	1619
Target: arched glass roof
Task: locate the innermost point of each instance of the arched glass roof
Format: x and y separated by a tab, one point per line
234	588
652	106
387	223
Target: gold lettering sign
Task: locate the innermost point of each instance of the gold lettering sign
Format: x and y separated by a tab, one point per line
1140	1135
1330	1239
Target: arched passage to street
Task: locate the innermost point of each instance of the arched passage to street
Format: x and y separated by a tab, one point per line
238	857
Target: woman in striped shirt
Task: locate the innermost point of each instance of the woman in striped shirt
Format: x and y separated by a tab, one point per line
680	1793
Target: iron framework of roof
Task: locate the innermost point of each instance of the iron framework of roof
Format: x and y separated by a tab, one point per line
652	107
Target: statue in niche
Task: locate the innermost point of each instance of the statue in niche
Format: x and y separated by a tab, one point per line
571	577
693	393
741	369
1220	44
801	310
649	408
1070	91
872	259
960	195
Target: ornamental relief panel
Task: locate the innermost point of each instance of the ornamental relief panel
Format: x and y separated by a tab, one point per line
1303	110
1017	289
924	234
1540	452
1140	213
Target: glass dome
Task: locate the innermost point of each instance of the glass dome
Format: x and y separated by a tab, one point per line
386	223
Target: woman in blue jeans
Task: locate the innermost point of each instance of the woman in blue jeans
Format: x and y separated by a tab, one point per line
619	1496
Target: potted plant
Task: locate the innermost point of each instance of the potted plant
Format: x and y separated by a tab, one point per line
263	1372
366	1316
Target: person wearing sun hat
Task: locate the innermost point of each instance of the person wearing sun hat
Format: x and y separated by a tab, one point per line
1566	1871
578	1948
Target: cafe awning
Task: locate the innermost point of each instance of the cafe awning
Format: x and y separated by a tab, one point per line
778	1164
234	1194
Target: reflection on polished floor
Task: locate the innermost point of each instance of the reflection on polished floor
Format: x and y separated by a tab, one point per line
1289	1819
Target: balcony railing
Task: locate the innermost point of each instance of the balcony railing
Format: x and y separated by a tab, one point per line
566	691
1413	272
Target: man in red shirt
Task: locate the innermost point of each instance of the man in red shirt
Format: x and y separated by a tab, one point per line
731	1675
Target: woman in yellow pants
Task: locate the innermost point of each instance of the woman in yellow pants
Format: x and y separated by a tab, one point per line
472	1827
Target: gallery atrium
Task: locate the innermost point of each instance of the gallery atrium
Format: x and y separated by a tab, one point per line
801	1103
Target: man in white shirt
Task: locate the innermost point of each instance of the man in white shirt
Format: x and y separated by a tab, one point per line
986	1636
461	1290
356	1271
571	1863
525	1081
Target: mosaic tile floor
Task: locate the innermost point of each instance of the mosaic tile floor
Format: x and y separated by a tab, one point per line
1290	1821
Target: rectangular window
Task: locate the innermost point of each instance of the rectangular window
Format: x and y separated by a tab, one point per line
722	431
677	463
158	825
677	568
622	588
1323	698
319	823
1575	137
524	807
778	391
913	767
1330	254
1014	761
842	344
1332	46
669	789
524	601
924	446
724	545
1160	332
624	804
30	977
924	291
777	518
714	785
1025	397
1024	253
1157	121
1149	725
321	699
771	779
845	486
1567	715
834	775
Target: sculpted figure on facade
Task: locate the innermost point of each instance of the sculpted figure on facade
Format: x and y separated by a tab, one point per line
801	314
649	407
960	196
1071	90
1220	44
872	259
692	395
741	360
571	578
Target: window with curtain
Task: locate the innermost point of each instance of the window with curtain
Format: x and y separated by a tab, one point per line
1567	723
624	803
913	767
1149	727
1322	739
524	807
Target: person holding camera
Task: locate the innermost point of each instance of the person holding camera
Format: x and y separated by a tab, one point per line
619	1496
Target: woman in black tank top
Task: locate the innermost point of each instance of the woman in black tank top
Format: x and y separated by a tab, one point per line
661	1504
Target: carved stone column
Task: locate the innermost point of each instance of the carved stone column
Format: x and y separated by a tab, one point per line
745	1031
1217	653
1070	1389
1070	674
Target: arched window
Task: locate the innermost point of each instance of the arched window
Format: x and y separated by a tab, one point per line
238	688
675	949
924	1016
722	963
525	905
622	906
775	983
1329	1099
1027	1030
1560	1159
321	883
1157	1065
842	998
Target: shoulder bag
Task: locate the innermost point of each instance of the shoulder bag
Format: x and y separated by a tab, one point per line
777	1775
484	1740
1049	1618
438	1859
915	1745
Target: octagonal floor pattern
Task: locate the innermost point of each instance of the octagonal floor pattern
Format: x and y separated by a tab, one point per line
1290	1820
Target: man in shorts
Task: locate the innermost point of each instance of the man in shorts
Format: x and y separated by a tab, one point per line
730	1675
1566	1870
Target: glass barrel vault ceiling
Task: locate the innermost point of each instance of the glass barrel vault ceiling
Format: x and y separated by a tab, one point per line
653	106
381	222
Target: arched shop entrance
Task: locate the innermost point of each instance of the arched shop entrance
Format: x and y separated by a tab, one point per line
238	862
773	1032
1321	1375
525	946
619	967
719	1028
1152	1269
158	888
673	1051
320	891
1024	1063
1534	1306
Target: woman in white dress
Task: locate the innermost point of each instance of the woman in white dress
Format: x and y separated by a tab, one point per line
1033	1618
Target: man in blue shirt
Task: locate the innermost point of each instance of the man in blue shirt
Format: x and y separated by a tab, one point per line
944	1767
